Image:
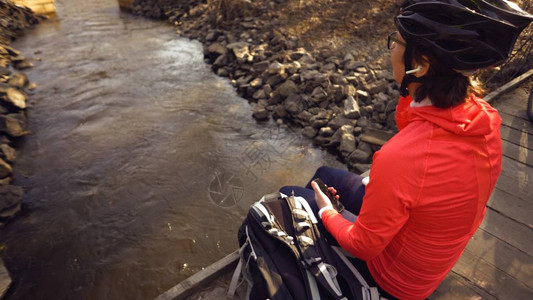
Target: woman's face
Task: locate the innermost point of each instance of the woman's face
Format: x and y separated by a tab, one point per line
396	55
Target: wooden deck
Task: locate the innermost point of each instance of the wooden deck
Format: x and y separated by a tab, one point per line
498	261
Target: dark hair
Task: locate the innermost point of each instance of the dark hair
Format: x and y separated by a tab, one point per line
445	87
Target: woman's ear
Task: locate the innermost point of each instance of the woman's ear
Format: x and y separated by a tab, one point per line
422	67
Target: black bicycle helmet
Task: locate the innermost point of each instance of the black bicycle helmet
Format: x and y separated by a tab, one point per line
466	34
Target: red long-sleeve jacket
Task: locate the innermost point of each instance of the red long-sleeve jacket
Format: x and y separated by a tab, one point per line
426	197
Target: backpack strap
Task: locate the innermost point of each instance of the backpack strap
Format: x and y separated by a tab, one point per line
305	237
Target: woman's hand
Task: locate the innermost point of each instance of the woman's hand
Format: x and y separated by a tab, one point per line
321	199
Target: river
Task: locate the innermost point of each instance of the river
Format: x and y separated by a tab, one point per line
141	163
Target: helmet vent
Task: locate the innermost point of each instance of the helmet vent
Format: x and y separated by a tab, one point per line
452	46
471	4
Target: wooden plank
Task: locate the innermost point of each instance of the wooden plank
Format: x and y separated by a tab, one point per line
521	154
512	207
515	122
502	256
514	110
521	138
516	179
194	283
456	287
508	86
491	279
508	230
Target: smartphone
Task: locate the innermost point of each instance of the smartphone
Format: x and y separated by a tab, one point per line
337	205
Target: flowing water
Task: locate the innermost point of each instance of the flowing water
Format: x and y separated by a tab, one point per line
141	163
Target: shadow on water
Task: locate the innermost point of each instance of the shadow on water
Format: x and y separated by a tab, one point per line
141	163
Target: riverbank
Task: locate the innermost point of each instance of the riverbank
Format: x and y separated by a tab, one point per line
322	67
14	91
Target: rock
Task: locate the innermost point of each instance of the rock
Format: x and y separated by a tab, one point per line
260	114
15	97
319	94
294	104
360	168
275	68
8	153
275	79
221	61
261	66
391	121
279	112
378	86
10	200
23	65
4	87
376	137
309	132
347	143
259	94
241	51
18	80
340	121
297	54
5	279
359	156
357	131
12	126
5	169
5	181
326	131
323	141
351	108
336	138
215	50
4	71
287	88
32	86
257	82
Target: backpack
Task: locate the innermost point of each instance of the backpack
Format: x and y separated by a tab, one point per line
284	256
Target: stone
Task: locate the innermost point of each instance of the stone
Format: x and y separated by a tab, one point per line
279	112
378	86
221	61
12	126
376	137
275	68
15	97
287	88
340	121
297	54
351	108
260	114
18	80
5	169
10	200
294	104
326	131
347	145
275	79
360	168
359	156
4	71
349	90
259	94
4	87
5	279
8	153
23	65
5	181
261	66
319	94
257	82
357	131
309	132
241	51
323	141
215	50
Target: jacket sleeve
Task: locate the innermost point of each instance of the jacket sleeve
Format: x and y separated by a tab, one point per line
384	212
402	109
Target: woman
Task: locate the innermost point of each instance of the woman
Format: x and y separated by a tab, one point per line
430	183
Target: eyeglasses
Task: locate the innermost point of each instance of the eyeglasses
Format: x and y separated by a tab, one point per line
391	38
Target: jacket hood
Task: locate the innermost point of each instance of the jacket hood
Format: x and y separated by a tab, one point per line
475	117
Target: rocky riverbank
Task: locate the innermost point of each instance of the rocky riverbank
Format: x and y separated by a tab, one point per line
333	96
14	88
